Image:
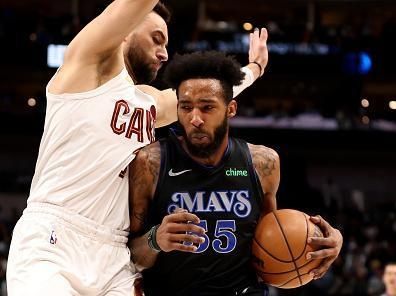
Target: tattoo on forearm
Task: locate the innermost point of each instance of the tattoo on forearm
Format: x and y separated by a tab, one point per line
140	216
143	179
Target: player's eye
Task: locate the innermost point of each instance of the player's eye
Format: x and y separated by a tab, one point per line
157	40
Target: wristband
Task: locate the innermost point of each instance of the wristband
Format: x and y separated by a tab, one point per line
152	239
246	82
260	67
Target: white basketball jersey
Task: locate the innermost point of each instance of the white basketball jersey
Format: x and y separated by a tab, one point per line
88	141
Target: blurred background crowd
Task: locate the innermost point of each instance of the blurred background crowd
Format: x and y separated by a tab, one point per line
327	104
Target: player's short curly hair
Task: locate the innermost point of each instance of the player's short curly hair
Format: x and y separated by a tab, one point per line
206	64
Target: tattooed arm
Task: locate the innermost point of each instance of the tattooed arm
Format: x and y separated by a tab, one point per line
143	178
266	164
175	228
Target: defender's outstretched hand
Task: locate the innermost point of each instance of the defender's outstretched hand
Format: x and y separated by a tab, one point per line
329	246
258	51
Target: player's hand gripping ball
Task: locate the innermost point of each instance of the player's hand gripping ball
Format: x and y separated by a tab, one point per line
280	247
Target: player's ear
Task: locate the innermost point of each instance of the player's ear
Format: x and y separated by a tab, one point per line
232	108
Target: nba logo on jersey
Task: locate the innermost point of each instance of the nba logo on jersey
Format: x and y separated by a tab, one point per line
53	238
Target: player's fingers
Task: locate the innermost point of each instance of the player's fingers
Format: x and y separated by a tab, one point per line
256	33
318	220
183	228
324	226
179	210
322	241
182	217
183	248
172	241
251	47
320	254
188	238
263	35
320	271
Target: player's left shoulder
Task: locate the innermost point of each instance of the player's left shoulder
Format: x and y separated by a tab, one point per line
264	158
258	151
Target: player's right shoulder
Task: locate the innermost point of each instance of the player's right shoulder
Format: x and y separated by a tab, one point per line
145	168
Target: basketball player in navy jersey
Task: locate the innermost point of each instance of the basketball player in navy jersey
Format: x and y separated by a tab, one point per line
196	196
97	117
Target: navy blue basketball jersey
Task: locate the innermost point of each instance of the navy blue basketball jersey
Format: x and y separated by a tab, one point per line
227	199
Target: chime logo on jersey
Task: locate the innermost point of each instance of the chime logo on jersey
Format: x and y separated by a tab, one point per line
227	201
141	121
235	172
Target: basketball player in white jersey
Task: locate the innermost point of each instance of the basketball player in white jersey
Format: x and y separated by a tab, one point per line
71	239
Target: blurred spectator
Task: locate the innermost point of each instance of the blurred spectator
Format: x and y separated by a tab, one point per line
332	198
358	200
389	279
375	285
3	265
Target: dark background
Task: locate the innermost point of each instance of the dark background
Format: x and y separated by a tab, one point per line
326	56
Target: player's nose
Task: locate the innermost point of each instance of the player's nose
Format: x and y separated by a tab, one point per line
196	119
162	54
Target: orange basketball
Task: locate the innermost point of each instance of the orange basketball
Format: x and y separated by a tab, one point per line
280	246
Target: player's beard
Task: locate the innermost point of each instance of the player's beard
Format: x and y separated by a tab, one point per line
206	150
139	67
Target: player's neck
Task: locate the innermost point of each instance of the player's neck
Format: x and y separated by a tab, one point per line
130	71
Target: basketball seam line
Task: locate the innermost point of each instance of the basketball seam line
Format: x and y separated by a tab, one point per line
287	271
288	246
291	280
269	254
